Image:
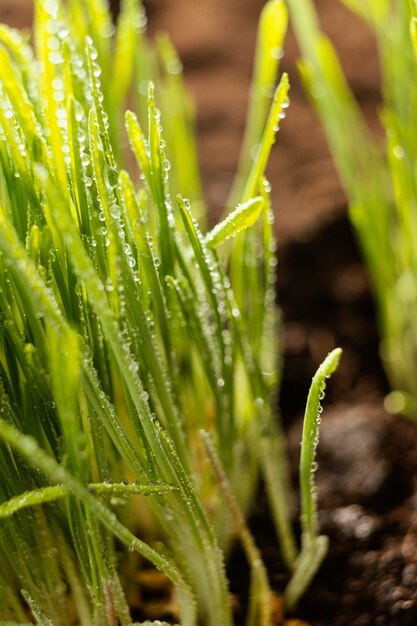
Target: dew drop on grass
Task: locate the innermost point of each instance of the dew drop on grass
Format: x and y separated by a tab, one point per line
51	27
398	152
277	53
63	32
115	211
53	43
57	84
174	67
55	58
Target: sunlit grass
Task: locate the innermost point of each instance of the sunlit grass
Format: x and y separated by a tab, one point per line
139	354
379	177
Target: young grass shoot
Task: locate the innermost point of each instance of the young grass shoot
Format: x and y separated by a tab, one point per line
139	360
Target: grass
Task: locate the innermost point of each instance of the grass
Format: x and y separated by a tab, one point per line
138	352
379	177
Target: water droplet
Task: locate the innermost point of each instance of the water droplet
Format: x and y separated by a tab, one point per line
398	152
55	58
111	177
277	53
115	211
53	43
174	67
57	84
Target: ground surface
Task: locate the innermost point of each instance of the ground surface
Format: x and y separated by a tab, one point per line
368	460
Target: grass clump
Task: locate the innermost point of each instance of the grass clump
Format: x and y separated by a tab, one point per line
135	346
379	180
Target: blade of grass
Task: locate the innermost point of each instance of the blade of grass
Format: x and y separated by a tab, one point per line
314	547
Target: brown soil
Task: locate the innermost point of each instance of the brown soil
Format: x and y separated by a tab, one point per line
368	460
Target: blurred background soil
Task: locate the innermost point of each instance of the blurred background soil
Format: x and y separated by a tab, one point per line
368	459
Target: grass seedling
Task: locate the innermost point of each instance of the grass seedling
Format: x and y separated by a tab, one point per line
380	181
127	329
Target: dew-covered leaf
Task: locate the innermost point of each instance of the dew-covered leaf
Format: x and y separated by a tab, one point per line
237	221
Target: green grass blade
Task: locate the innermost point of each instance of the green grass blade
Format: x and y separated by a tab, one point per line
309	442
237	221
271	32
276	113
314	546
51	494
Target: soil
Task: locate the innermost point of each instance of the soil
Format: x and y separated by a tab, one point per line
367	478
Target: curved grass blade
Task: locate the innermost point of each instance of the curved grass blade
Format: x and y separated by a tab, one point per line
56	492
313	546
237	221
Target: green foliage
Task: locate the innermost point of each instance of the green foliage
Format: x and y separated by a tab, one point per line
313	546
380	180
124	333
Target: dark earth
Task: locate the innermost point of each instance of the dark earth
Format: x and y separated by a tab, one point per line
367	478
